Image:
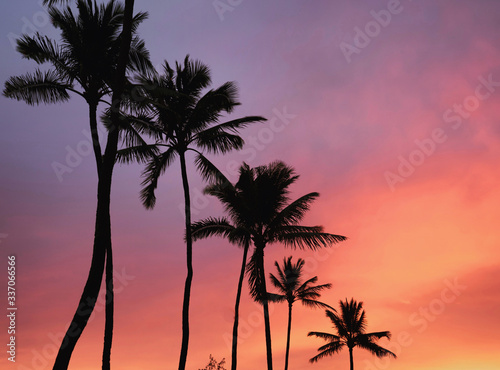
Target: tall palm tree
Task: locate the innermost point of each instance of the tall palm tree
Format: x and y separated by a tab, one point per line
187	121
98	47
260	211
289	284
350	326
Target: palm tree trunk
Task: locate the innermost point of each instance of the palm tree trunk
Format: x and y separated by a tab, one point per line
189	254
109	321
351	361
102	236
288	335
237	309
95	135
265	304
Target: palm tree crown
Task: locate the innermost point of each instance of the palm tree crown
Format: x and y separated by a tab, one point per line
291	287
350	326
87	55
181	118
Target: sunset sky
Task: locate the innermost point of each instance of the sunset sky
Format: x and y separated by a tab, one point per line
389	109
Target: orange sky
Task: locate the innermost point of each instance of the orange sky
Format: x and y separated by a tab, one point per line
422	252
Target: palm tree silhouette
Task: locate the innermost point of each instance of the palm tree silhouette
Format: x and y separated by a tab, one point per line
186	121
97	49
289	284
259	209
351	332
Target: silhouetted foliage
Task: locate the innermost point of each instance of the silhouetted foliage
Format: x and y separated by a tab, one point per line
214	365
289	284
350	326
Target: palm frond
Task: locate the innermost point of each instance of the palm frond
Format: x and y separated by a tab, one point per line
365	343
54	2
314	303
277	283
294	212
276	298
330	349
353	315
218	143
139	56
322	335
211	226
334	345
192	77
138	19
378	335
139	153
134	128
209	171
338	323
42	49
305	237
36	88
210	107
154	169
255	276
234	125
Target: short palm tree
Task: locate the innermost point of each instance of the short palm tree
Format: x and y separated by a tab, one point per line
184	120
291	289
350	326
260	211
98	47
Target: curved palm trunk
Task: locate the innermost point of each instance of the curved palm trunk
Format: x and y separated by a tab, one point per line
288	335
109	321
102	241
351	359
189	255
237	309
102	236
